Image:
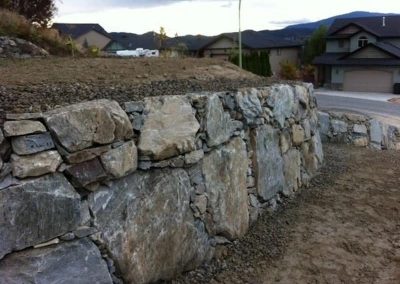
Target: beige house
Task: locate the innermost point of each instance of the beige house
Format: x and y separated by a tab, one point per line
279	50
362	55
85	34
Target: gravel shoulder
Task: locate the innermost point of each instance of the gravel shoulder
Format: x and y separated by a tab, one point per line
345	228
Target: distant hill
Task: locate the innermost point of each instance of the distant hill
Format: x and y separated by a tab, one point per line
327	22
295	33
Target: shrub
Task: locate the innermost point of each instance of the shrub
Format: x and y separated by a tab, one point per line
288	71
14	25
255	62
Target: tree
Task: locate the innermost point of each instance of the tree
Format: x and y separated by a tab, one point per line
39	12
162	37
315	46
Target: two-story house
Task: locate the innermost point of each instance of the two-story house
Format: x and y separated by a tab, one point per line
362	55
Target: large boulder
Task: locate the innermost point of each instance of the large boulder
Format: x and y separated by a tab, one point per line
249	105
169	128
219	126
291	166
22	127
77	262
36	211
268	163
225	173
35	165
82	125
121	161
147	225
281	100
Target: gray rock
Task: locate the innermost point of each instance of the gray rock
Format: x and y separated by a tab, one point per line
194	157
169	129
24	116
86	155
31	144
121	161
360	129
268	163
249	105
355	117
338	126
225	179
68	237
376	134
84	231
298	134
360	141
200	201
310	161
82	125
35	165
281	100
134	107
219	126
307	129
22	127
317	147
36	211
148	227
77	262
1	136
86	173
8	181
137	121
291	169
302	94
324	123
285	141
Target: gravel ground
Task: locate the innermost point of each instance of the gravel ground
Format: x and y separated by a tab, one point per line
345	228
41	84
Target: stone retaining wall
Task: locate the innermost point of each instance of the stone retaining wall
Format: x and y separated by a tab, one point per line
106	194
359	130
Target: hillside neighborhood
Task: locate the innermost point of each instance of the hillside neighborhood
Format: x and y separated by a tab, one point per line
240	153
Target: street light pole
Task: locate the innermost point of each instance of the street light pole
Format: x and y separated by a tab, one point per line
240	36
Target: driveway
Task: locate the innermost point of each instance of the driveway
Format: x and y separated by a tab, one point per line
368	103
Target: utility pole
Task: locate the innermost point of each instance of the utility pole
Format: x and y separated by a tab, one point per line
240	36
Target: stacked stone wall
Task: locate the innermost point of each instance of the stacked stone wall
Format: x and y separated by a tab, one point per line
359	130
138	193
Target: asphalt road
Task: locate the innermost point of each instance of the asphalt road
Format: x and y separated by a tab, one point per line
328	102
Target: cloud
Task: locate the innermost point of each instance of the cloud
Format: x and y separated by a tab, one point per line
285	23
79	6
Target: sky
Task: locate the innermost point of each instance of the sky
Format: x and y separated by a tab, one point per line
208	17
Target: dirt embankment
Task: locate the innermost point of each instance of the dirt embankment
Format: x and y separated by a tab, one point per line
42	84
344	229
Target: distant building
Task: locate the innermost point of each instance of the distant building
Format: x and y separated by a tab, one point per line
87	35
362	54
279	50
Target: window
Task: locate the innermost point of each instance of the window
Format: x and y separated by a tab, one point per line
278	52
362	41
341	43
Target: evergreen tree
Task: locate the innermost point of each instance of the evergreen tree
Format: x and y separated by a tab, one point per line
315	46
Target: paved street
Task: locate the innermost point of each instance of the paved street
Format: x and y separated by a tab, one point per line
372	104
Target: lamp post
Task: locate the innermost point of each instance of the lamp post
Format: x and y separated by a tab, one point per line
240	36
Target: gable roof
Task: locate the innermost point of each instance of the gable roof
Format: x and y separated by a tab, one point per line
255	40
76	30
372	25
387	48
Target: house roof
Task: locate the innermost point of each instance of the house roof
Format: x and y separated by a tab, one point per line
76	30
387	26
255	40
346	59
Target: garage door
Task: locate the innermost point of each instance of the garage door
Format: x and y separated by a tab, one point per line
368	81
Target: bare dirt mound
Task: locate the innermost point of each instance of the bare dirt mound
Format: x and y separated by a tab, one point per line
41	84
344	229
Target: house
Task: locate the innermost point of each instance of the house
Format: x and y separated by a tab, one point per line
87	35
280	50
362	54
